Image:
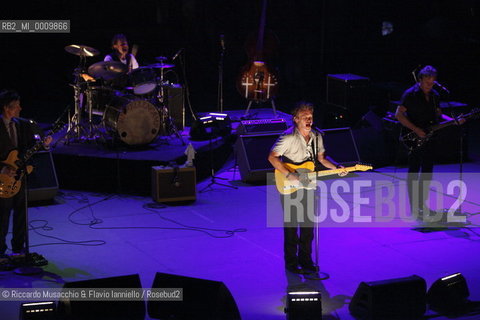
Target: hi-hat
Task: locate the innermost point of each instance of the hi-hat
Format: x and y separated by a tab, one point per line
107	70
161	58
81	50
161	65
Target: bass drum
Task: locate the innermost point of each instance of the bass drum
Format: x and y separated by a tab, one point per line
134	121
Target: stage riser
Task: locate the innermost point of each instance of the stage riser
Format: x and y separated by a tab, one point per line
110	175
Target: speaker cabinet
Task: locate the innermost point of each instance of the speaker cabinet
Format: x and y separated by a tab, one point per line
109	309
202	299
252	156
176	105
340	145
401	298
348	91
174	184
42	183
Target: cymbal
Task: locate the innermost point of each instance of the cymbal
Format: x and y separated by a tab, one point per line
161	65
81	50
107	70
161	58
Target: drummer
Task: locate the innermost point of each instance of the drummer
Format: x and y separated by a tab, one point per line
120	52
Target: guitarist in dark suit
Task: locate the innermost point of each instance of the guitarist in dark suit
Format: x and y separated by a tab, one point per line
419	109
15	133
297	145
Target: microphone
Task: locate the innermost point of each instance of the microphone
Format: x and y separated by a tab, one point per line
222	42
316	130
441	87
177	54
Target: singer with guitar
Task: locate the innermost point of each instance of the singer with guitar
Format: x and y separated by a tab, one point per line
15	134
419	110
299	144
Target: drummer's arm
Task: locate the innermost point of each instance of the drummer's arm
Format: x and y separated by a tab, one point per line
108	58
134	62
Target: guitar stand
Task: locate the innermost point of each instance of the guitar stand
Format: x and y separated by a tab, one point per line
273	108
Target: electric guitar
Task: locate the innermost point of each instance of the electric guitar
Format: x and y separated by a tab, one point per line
307	176
9	186
412	141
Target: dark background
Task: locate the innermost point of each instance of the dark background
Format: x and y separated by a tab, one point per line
315	38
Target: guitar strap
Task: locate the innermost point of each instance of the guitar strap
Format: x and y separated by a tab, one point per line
315	151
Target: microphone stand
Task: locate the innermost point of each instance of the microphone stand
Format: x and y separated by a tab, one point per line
319	275
28	267
462	131
213	178
220	78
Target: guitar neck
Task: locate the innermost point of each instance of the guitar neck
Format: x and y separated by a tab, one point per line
261	33
442	125
329	172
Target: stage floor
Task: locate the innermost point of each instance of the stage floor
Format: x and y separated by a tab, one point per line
224	236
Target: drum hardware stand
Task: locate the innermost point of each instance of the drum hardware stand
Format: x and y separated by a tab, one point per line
220	75
94	133
74	131
213	178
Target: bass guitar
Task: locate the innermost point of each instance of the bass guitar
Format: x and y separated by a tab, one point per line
9	186
412	141
308	175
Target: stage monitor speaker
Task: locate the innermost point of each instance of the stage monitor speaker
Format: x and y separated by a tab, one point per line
176	105
449	295
401	298
202	299
252	156
171	184
340	145
42	183
102	310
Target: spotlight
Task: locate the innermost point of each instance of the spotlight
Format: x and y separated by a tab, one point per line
304	305
38	310
387	28
449	294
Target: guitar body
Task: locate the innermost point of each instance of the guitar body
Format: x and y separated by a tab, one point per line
412	141
285	186
307	176
9	186
257	82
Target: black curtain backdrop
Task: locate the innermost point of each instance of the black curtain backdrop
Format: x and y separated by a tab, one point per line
315	38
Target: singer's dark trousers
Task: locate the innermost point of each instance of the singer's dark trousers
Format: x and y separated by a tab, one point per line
298	227
420	168
17	205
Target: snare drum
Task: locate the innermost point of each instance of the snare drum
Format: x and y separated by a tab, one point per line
135	121
143	80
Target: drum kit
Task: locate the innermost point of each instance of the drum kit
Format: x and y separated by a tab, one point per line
128	107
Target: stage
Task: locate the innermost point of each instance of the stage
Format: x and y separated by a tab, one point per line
225	236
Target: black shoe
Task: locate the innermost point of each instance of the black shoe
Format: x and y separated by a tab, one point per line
294	269
310	268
